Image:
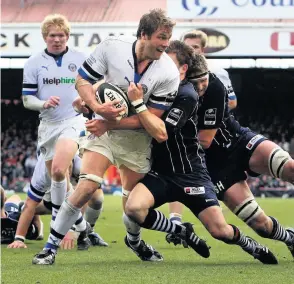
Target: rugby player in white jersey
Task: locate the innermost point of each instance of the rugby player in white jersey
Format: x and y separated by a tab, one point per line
49	87
121	60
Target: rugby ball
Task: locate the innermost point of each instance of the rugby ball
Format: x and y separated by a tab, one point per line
108	92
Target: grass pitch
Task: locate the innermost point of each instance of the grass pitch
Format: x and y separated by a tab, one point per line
117	264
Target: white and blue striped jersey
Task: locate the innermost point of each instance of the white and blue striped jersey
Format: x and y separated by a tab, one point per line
115	59
48	75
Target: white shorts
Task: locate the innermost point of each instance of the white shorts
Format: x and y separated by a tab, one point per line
124	147
50	132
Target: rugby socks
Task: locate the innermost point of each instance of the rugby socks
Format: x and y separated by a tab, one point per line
58	192
279	233
241	240
66	217
133	232
92	215
80	224
155	220
176	218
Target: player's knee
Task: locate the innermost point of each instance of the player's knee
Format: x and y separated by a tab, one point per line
132	210
96	202
248	210
58	174
277	161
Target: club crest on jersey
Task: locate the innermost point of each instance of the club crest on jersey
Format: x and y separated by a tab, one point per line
194	190
174	116
210	116
145	88
72	67
253	141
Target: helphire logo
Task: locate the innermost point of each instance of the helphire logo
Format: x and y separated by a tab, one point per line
58	81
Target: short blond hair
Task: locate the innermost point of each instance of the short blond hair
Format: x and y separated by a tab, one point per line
55	20
196	34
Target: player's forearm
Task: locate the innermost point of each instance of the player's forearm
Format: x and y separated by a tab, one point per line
153	125
87	94
33	103
132	122
25	219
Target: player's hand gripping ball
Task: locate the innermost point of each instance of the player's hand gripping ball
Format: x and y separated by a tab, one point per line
108	92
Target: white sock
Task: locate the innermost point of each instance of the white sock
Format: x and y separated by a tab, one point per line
91	215
133	231
80	224
66	217
58	192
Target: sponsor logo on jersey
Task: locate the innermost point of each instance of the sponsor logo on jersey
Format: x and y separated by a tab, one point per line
210	116
174	116
58	81
194	190
253	141
72	67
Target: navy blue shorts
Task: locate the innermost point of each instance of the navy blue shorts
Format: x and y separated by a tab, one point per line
228	166
194	190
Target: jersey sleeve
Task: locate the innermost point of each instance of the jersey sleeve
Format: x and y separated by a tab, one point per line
95	66
211	111
30	79
164	95
180	112
225	79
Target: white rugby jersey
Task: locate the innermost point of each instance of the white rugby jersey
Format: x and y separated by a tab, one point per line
47	75
223	75
115	59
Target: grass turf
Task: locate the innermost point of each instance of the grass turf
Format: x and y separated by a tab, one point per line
117	264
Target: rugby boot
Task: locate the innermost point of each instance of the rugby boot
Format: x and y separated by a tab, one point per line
45	257
198	245
144	251
262	253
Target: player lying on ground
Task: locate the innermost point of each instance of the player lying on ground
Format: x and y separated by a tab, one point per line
232	152
121	60
179	173
39	202
10	213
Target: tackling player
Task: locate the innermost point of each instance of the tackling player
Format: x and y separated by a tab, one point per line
179	173
232	152
121	60
197	39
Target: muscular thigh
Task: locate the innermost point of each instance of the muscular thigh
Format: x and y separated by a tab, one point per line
236	194
159	188
260	158
94	163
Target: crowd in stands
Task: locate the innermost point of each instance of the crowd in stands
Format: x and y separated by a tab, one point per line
19	136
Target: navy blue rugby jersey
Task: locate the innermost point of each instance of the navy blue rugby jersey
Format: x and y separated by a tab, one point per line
181	153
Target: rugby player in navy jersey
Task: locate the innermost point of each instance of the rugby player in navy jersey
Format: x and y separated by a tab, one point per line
179	173
232	153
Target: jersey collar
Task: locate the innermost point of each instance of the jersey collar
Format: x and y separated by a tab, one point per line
138	76
56	55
